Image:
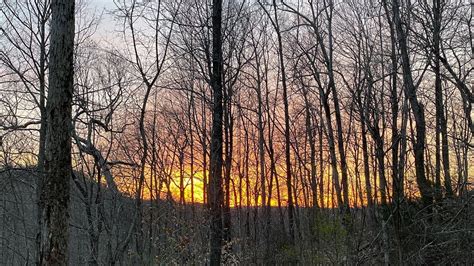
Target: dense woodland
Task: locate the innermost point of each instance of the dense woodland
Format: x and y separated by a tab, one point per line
197	132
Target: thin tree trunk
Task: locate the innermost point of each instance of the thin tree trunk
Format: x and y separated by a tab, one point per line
291	221
42	139
365	155
440	116
228	129
312	151
418	112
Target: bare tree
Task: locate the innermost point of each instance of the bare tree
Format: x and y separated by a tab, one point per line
416	106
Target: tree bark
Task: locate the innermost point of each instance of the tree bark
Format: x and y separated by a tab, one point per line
215	177
55	194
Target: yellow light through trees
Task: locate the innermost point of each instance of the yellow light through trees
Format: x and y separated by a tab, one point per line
164	186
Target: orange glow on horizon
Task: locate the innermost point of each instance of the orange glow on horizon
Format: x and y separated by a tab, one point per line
237	198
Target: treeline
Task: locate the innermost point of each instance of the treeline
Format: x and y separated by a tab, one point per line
331	131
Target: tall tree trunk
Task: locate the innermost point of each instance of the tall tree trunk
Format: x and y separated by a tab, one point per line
332	151
215	176
229	135
55	194
397	181
291	222
138	226
418	112
261	154
191	111
379	154
320	157
328	55
205	180
153	179
365	155
441	126
312	150
182	200
42	136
